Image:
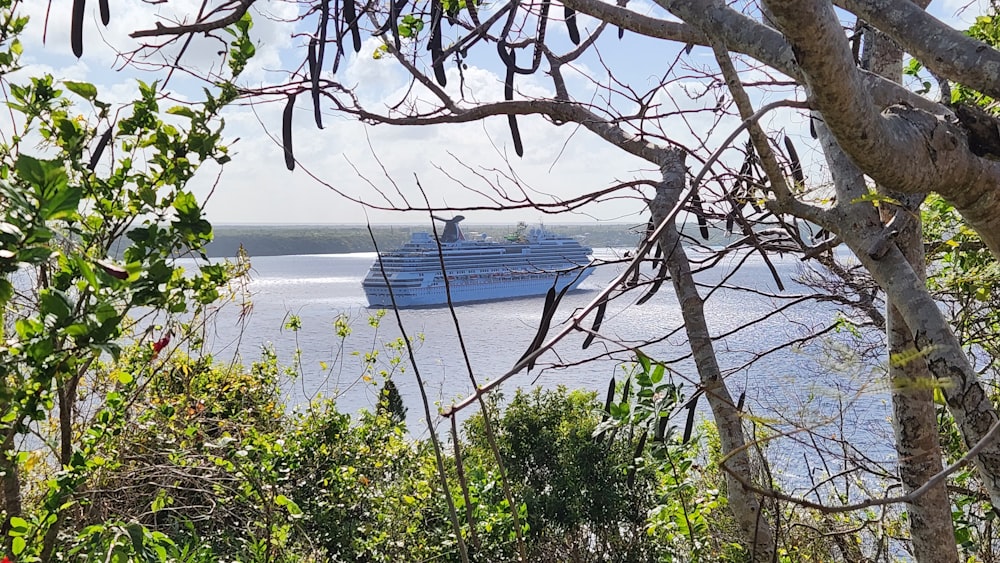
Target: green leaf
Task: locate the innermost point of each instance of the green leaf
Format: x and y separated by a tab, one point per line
18	526
658	372
86	271
17	546
6	291
77	330
182	110
55	302
82	89
643	360
47	175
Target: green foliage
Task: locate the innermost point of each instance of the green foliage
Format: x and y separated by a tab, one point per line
965	276
65	301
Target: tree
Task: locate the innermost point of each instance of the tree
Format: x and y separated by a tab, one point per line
872	131
78	177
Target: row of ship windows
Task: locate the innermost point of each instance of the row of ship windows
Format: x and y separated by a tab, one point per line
481	264
466	280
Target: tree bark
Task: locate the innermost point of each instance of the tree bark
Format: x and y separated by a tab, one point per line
934	341
905	147
743	502
945	51
858	224
11	484
914	419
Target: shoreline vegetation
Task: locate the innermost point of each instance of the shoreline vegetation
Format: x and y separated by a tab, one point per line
280	240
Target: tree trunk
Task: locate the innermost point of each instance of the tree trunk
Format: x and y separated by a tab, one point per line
11	485
914	419
742	501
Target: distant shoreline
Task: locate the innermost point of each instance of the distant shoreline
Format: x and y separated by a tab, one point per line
284	240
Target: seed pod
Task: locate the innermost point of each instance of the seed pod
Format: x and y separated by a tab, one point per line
611	396
598	319
660	276
508	94
639	448
105	12
394	8
324	20
99	149
699	212
607	408
112	269
76	27
286	132
314	71
434	44
552	300
351	18
689	424
574	31
661	429
796	164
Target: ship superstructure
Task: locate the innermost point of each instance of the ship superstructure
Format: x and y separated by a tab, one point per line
525	263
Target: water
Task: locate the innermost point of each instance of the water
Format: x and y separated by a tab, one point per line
795	386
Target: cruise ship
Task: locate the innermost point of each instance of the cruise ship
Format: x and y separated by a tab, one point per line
526	263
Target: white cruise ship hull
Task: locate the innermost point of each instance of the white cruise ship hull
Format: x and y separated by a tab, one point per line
479	269
479	288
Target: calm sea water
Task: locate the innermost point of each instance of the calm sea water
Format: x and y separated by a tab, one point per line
799	385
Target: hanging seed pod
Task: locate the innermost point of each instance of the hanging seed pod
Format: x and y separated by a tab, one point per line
394	9
699	212
661	429
611	396
76	27
598	319
286	132
536	342
351	17
314	71
639	448
102	144
689	424
552	300
324	21
657	255
574	32
434	44
105	12
508	94
660	276
796	164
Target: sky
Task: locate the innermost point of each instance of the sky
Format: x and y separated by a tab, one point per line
383	165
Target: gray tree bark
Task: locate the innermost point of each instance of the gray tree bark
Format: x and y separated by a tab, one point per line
743	502
914	420
905	147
